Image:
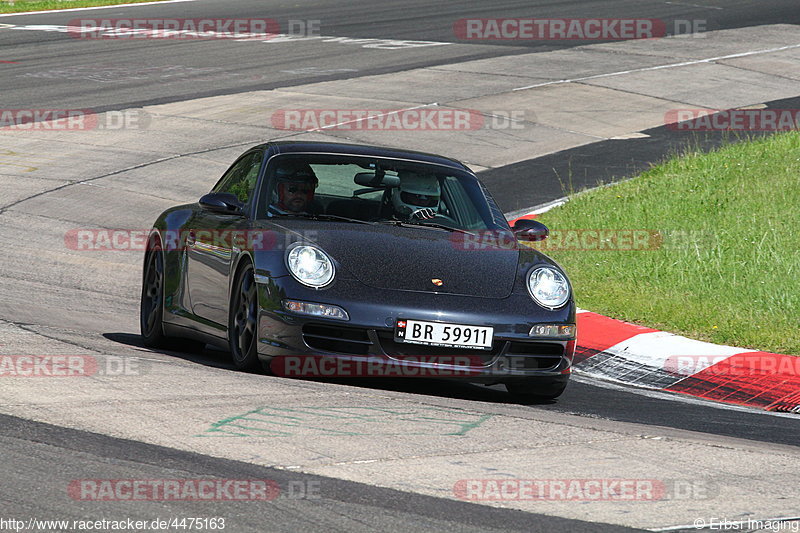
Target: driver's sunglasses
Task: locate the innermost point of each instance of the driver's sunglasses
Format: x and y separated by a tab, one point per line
293	189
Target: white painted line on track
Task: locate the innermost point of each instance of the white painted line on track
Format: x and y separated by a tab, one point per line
693	5
379	44
136	4
661	67
536	209
394	112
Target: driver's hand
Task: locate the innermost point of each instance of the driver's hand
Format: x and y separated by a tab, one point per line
424	213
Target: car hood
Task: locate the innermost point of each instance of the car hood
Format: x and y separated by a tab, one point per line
405	258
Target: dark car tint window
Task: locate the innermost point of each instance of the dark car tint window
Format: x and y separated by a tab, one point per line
336	180
241	178
363	188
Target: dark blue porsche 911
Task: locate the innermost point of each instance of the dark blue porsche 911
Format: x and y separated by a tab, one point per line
361	258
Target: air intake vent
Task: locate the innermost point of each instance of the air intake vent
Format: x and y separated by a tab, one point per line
337	339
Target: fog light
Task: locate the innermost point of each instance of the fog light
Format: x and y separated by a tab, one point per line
565	331
312	309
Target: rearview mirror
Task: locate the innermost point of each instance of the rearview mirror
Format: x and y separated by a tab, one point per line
530	230
222	202
376	179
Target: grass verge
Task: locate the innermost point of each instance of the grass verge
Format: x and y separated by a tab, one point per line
726	261
20	6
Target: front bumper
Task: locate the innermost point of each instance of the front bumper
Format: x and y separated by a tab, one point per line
365	345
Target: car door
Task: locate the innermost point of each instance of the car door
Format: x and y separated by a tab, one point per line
210	243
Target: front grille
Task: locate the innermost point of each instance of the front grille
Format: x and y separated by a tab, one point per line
400	350
534	355
536	348
337	339
531	362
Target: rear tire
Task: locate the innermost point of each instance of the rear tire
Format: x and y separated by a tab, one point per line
536	389
243	322
151	310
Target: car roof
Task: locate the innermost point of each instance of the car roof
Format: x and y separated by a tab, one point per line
287	147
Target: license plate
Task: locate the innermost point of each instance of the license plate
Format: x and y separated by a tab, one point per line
448	335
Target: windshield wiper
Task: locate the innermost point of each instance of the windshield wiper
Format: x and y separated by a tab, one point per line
426	224
323	216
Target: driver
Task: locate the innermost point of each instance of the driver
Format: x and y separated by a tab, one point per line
295	187
417	196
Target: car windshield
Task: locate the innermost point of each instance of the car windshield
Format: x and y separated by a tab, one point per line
377	190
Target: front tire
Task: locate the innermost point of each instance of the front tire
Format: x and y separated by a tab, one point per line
243	322
151	309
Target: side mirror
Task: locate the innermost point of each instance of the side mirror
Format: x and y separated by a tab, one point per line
222	202
530	230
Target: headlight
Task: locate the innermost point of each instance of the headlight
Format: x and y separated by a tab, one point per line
310	266
548	287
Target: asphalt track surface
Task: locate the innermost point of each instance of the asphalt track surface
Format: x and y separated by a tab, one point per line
55	70
40	458
560	174
53	456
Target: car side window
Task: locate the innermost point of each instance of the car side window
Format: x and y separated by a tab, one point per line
241	178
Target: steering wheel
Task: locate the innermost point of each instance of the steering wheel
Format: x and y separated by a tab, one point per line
448	218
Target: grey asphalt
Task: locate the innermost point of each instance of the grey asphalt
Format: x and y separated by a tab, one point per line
582	398
54	70
43	460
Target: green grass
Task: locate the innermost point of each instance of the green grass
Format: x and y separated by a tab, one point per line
17	6
732	278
